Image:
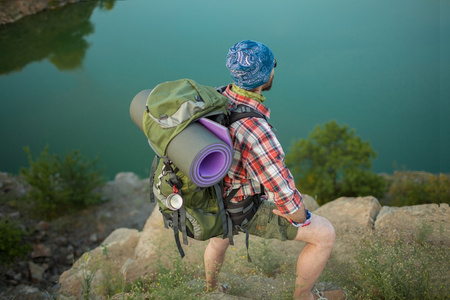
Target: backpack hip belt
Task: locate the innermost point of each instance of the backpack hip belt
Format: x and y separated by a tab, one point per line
242	212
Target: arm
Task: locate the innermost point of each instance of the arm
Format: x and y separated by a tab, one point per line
264	159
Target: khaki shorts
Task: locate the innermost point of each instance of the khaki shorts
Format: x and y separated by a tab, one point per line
268	225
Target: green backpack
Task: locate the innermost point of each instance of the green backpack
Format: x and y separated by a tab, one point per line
170	108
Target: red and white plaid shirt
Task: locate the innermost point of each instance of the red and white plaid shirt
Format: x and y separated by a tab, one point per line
258	159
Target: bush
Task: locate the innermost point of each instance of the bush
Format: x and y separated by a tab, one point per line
402	271
385	270
11	242
62	185
412	188
334	162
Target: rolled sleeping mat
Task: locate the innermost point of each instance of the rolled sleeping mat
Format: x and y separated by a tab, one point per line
200	154
137	108
202	151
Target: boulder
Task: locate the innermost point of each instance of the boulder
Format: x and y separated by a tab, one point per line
351	213
310	203
117	248
421	223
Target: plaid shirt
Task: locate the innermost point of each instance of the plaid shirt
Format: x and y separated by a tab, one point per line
258	159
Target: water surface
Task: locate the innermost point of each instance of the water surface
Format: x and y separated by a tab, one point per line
381	67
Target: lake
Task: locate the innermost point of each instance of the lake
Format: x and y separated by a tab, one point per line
67	76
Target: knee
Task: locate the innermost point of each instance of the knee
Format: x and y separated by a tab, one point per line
327	235
321	233
218	244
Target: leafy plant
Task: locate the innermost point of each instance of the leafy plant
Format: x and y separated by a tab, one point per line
334	162
12	244
62	185
412	188
383	270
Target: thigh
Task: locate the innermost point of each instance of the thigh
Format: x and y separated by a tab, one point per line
268	225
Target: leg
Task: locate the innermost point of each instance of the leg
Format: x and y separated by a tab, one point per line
319	237
214	257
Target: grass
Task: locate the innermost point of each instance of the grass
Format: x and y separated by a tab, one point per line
378	270
397	270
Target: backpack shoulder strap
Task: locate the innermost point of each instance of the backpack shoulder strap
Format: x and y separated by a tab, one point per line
152	178
236	116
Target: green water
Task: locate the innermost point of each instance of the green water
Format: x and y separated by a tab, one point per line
67	77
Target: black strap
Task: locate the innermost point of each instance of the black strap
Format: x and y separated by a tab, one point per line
152	178
231	196
249	259
235	116
218	191
176	234
182	212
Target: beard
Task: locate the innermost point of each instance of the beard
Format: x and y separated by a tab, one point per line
268	85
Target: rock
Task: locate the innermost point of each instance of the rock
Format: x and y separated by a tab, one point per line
310	203
116	249
43	225
61	241
351	213
37	271
11	11
40	250
12	186
14	215
93	238
426	223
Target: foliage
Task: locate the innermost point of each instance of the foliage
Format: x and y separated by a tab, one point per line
412	188
11	242
93	266
393	271
62	185
334	162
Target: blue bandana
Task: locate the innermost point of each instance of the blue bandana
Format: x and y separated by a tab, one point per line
250	64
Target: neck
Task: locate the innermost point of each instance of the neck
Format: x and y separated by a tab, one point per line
258	90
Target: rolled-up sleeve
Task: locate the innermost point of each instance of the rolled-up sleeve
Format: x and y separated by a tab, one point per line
264	160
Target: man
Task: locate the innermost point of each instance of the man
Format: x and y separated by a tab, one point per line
258	169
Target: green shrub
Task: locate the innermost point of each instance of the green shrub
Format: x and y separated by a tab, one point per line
403	271
62	185
392	271
412	188
12	244
334	162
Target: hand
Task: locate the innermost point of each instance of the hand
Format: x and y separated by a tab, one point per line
299	216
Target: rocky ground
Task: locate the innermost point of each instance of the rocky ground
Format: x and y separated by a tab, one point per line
57	244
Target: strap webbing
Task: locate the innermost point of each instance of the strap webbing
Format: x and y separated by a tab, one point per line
152	178
175	232
182	211
235	116
218	191
249	259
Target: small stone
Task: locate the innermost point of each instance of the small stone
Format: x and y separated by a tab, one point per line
40	250
18	277
14	215
37	271
61	241
43	225
93	238
70	258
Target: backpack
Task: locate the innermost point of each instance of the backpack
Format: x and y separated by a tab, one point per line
198	209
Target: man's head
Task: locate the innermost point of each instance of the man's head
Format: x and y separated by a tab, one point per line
251	64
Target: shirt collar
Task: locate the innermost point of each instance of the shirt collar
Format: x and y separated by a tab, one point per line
258	97
238	99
